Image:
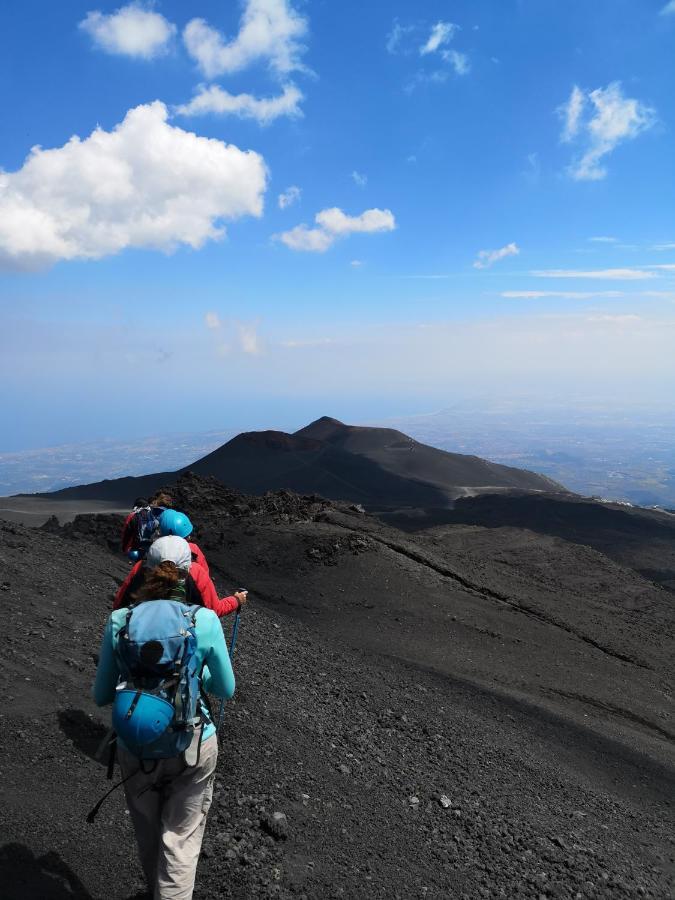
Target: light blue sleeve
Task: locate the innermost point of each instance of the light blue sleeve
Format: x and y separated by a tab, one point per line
218	677
107	673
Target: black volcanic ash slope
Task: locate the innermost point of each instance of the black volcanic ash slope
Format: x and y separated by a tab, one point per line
378	467
641	539
395	781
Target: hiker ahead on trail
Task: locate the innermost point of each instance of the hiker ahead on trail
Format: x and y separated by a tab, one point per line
194	584
157	660
155	518
177	523
141	526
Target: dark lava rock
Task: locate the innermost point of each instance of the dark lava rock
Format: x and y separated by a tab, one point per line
276	825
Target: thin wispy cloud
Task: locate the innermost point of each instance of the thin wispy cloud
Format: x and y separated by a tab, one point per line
533	170
669	246
571	114
487	258
359	179
134	30
270	30
603	239
235	336
248	338
333	224
562	295
427	277
458	61
99	195
668	9
434	46
396	36
616	319
213	99
608	274
599	121
441	34
290	196
309	342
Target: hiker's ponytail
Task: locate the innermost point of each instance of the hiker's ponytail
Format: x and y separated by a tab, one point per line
162	499
159	582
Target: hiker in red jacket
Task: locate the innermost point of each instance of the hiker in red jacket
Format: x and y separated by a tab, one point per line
199	588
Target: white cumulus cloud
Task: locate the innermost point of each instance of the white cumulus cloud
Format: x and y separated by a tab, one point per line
302	237
269	30
487	258
144	184
132	30
214	99
441	33
333	224
600	120
290	196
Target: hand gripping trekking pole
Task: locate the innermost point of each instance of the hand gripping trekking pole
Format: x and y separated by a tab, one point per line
233	644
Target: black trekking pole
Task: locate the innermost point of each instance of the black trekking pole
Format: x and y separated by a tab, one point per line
233	644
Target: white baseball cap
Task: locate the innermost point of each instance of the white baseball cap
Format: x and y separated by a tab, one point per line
170	548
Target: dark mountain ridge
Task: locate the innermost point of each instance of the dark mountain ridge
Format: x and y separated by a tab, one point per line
379	467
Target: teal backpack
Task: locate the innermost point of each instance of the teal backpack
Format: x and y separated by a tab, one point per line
158	701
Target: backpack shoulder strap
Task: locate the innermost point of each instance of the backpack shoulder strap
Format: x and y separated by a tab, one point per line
192	594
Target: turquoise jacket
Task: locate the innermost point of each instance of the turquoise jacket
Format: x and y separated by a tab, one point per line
218	677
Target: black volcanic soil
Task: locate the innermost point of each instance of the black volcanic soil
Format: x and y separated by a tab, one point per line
523	677
642	539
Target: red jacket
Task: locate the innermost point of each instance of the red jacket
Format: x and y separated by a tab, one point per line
199	558
199	589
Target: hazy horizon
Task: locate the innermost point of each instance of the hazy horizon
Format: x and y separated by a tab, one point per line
258	212
592	449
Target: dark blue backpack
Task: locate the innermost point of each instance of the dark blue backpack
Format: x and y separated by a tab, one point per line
157	703
146	526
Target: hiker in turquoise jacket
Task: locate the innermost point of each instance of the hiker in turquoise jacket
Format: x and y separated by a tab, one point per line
168	801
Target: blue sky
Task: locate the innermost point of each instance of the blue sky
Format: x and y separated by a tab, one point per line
362	209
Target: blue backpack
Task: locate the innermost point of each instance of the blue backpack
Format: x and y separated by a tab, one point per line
146	528
157	703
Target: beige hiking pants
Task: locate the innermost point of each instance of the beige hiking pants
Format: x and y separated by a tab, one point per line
168	808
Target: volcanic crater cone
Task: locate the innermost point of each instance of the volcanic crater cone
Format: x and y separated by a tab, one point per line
379	467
